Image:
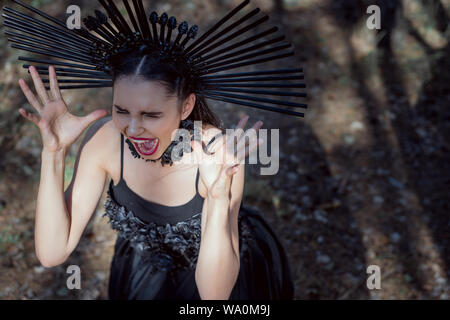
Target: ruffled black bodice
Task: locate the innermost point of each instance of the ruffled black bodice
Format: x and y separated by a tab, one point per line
167	246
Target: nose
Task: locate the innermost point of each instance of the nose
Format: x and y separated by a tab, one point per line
134	128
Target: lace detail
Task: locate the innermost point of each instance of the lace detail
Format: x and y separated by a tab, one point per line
169	246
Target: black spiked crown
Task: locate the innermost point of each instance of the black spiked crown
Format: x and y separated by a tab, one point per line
87	54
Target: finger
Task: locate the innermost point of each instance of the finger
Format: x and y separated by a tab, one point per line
258	124
54	87
39	85
232	170
245	140
94	116
197	151
30	95
29	116
239	130
243	122
233	139
245	145
213	144
244	152
251	149
237	134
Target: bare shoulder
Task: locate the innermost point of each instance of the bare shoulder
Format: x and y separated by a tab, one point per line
93	147
97	131
102	138
106	128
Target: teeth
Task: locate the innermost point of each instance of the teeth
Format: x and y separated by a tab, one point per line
143	147
140	141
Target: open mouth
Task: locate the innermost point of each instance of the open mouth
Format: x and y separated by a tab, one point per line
146	147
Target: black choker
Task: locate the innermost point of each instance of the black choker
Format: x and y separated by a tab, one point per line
166	158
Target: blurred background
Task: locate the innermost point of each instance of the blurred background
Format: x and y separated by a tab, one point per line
364	178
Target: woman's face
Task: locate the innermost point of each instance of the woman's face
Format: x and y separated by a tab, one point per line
145	114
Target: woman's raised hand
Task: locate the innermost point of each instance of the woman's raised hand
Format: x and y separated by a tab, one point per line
59	128
228	152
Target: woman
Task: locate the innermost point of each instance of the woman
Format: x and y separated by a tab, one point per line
183	233
182	230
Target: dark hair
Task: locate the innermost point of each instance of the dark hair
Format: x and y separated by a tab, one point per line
176	81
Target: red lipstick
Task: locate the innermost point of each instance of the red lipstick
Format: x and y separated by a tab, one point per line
140	138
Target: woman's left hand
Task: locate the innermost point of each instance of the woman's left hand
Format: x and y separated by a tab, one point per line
217	168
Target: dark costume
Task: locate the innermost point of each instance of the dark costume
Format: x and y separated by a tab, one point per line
157	249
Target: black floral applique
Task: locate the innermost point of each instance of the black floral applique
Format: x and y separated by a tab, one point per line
167	247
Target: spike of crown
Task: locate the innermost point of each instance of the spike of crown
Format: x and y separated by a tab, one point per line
193	31
163	19
172	24
135	42
90	23
102	18
153	17
183	27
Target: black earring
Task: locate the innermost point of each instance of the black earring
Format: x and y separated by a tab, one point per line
187	124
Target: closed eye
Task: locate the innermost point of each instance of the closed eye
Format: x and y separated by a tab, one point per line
147	115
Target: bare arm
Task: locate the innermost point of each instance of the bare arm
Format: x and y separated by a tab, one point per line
61	217
52	222
218	262
56	231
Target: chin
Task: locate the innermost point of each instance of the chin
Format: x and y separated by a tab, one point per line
151	157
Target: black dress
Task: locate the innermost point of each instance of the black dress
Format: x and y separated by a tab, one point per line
157	247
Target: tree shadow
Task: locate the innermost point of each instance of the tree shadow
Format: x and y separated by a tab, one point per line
427	172
428	167
321	236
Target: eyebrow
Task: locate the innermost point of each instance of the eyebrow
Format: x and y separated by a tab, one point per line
153	113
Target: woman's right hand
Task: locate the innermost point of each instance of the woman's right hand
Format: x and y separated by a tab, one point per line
59	128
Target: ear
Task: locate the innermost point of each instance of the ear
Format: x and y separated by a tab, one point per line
188	106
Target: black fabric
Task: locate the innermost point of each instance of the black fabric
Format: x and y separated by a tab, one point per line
165	270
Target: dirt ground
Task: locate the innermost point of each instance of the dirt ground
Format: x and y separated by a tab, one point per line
364	178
